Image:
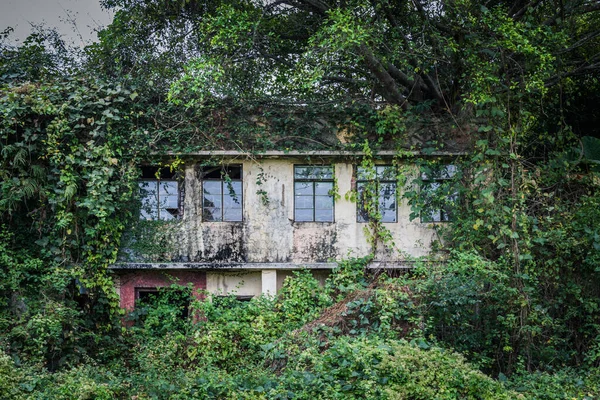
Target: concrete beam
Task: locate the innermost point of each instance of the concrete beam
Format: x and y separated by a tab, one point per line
406	264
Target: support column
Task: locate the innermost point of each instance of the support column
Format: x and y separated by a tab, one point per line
269	282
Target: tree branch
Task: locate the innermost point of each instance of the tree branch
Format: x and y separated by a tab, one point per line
390	89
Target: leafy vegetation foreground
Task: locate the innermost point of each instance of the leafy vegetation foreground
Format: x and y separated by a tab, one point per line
508	306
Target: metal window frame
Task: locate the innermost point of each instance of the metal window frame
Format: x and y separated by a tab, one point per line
441	212
222	181
377	182
179	197
314	196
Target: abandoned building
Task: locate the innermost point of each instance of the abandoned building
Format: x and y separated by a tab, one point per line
241	224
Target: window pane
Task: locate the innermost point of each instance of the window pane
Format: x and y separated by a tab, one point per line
303	188
386	173
324	215
323	202
361	212
388	215
168	187
304	202
168	195
301	172
212	187
322	173
211	214
232	188
387	191
171	201
313	173
148	199
232	201
211	200
364	174
323	188
448	172
232	214
434	216
303	215
166	215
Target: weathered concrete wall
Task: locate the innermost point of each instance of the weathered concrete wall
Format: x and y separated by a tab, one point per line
239	283
268	233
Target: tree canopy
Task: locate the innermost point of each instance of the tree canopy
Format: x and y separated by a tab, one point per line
514	85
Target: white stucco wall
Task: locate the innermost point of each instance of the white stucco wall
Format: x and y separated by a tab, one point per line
268	232
238	283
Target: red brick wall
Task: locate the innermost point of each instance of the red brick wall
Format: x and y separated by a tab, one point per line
153	279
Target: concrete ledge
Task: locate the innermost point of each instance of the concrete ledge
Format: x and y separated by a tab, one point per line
405	264
307	153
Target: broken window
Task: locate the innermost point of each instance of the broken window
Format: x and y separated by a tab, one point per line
161	310
376	190
159	194
313	193
222	193
438	195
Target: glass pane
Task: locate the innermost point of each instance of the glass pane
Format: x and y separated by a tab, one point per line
365	174
323	202
232	201
301	172
304	202
322	172
386	173
211	214
434	216
362	215
313	173
211	200
148	199
211	187
387	191
232	188
303	215
303	188
323	188
168	188
324	215
167	215
388	215
232	214
448	172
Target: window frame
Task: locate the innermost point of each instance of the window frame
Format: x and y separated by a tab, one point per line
314	181
224	191
377	181
445	173
157	179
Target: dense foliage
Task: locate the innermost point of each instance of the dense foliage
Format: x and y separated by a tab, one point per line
513	289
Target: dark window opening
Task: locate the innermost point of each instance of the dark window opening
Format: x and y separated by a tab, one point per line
164	301
222	193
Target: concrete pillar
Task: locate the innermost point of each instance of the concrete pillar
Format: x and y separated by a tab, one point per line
269	282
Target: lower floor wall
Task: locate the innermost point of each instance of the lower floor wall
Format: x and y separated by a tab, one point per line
253	283
242	283
130	284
